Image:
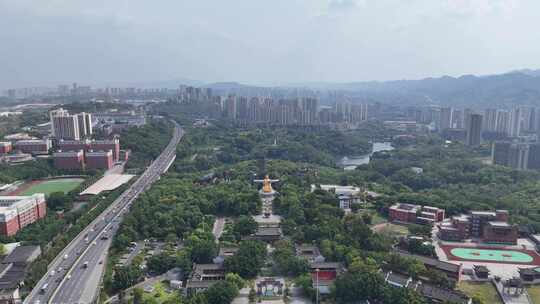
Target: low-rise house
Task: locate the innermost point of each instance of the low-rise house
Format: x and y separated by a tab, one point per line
347	195
310	253
397	280
530	275
432	293
441	295
481	272
452	271
266	233
323	275
203	276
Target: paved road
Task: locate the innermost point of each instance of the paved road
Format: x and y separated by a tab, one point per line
217	230
75	274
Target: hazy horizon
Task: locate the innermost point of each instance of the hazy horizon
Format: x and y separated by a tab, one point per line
256	42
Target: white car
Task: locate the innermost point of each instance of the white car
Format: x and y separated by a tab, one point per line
65	256
68	276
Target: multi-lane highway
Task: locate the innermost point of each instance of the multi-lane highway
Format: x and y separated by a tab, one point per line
74	275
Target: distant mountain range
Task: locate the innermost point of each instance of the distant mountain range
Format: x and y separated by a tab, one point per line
503	90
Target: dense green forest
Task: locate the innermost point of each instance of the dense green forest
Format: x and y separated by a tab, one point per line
213	175
146	142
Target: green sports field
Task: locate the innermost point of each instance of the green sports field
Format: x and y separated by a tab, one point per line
492	255
54	185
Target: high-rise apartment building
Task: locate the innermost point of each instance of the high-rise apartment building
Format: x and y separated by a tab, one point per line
500	153
84	121
230	107
64	126
503	120
458	121
474	130
514	126
445	121
490	120
521	156
518	156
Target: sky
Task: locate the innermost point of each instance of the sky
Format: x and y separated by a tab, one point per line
46	42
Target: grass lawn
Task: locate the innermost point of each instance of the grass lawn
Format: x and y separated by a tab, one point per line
56	185
377	219
393	230
534	293
485	290
159	294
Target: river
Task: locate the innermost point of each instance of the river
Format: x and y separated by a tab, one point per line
350	163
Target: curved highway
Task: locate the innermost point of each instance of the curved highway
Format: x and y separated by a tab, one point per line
75	274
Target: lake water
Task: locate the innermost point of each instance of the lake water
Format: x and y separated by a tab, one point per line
350	163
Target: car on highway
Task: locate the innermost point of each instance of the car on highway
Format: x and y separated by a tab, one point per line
65	256
68	277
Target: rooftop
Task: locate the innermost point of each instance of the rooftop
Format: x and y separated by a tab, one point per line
443	295
108	182
13	276
325	265
268	231
432	262
483	213
23	254
499	224
406	207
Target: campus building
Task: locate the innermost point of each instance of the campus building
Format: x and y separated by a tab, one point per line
92	145
69	160
408	213
84	120
72	145
64	125
489	226
106	145
33	146
16	212
99	160
347	195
